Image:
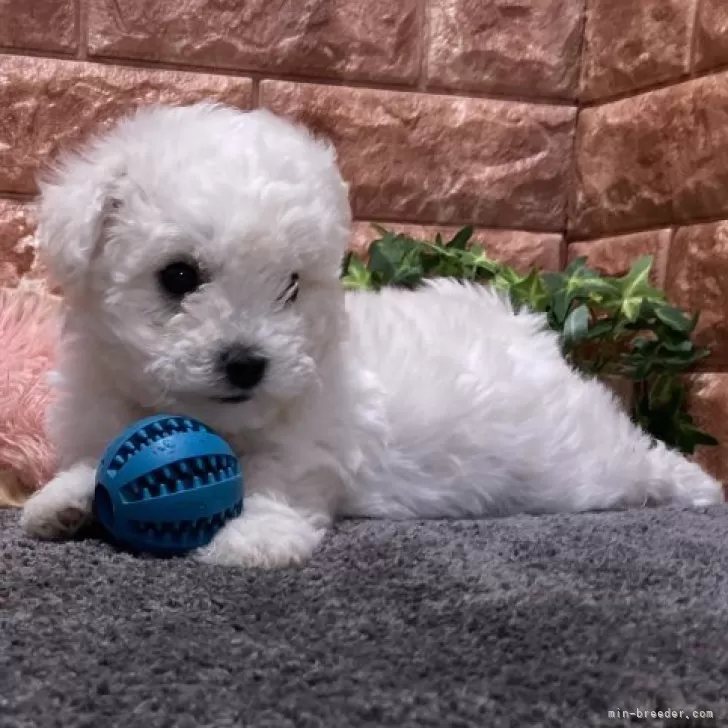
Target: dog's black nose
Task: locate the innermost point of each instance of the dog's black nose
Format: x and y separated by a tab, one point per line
243	367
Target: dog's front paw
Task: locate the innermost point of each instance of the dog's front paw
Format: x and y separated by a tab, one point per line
268	535
63	506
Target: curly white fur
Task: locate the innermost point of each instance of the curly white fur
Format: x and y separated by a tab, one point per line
438	403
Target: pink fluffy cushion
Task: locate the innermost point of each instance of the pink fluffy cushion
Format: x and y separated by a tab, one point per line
29	333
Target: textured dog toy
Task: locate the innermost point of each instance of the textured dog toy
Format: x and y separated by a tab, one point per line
166	485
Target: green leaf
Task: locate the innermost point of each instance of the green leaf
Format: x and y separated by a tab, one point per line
409	274
554	282
593	287
383	261
699	354
699	437
685	346
357	276
661	390
501	283
483	265
643	344
530	291
599	330
637	280
443	252
576	325
460	241
631	308
643	369
674	318
575	266
560	302
389	255
638	294
512	276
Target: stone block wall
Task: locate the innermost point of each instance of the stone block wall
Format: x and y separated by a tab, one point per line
557	127
651	167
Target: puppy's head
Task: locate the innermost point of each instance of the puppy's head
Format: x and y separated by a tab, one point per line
199	249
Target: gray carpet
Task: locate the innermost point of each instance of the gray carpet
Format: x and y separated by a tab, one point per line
549	621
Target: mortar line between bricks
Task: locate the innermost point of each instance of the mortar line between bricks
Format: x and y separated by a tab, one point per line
384	221
572	175
435	90
668	254
563	253
255	94
623	232
389	220
260	76
643	90
358	84
29	197
17	196
693	46
81	29
424	37
67	56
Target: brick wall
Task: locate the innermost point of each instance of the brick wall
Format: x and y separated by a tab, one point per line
557	127
651	167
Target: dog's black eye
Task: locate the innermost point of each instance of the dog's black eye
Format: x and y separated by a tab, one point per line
179	279
291	292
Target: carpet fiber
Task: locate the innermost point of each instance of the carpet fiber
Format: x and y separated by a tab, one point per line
548	621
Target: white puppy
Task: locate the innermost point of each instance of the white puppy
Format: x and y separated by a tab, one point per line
200	249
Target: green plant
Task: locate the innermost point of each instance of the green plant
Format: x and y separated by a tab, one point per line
622	327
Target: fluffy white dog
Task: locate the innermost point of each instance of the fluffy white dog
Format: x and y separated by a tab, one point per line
200	250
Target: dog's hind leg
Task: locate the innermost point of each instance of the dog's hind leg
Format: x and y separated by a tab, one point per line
674	478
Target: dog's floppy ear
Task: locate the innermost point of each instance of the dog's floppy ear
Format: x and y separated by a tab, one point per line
74	198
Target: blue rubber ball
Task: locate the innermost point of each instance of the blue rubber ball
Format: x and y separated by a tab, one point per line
166	485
